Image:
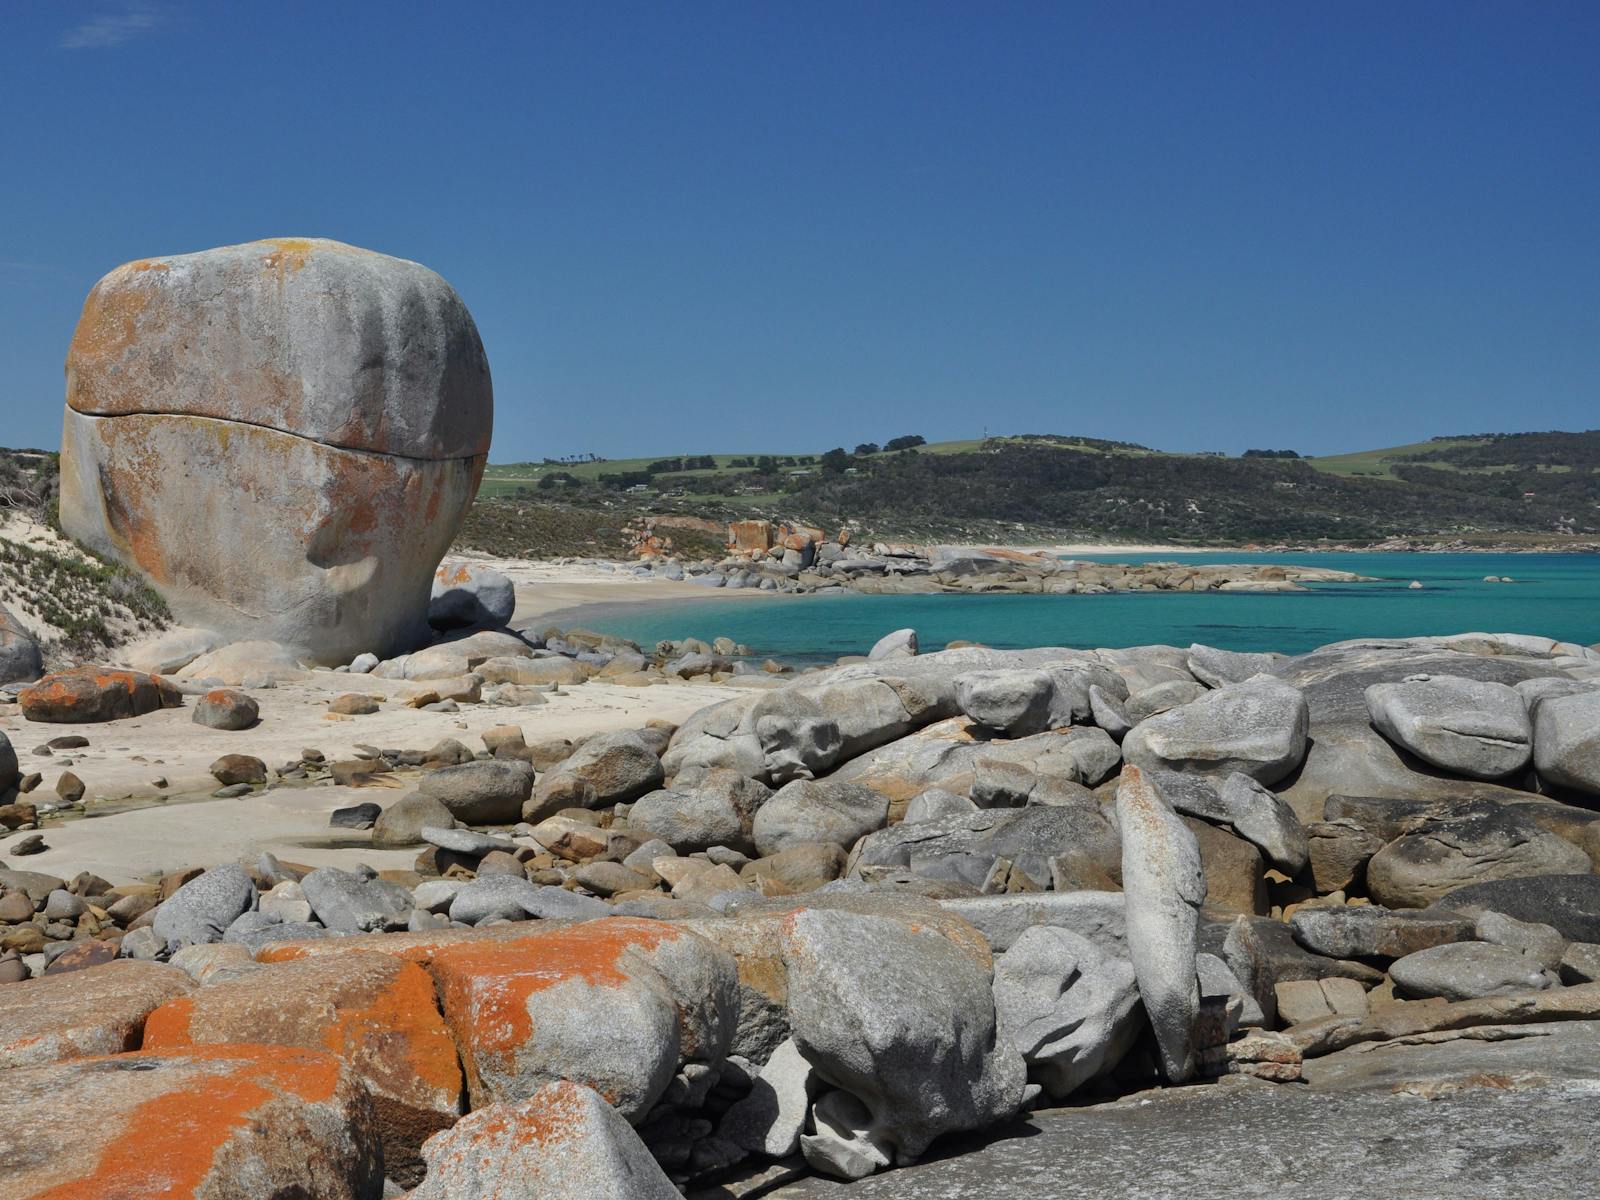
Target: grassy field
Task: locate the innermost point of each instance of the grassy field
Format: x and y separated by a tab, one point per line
1378	464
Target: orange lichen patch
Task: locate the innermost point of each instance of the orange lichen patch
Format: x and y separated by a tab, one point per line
288	256
488	987
378	1015
169	1143
169	1025
108	326
148	264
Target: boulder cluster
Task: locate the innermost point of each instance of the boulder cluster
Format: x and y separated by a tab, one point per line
828	923
797	558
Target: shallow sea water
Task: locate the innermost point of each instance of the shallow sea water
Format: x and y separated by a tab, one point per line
1557	595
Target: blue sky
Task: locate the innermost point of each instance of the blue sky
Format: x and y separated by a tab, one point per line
759	226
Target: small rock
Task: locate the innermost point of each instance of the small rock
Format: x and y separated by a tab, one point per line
239	768
355	816
225	708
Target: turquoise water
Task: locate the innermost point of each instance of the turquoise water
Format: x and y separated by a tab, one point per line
1557	595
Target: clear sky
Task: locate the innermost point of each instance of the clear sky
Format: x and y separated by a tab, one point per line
758	226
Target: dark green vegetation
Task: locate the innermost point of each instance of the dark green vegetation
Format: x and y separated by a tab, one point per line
1535	488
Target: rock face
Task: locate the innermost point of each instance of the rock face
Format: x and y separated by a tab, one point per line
98	1010
327	407
1567	741
1472	843
1466	971
616	1004
235	1121
1164	888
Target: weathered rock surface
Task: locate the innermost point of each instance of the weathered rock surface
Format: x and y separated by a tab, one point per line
203	908
224	708
1568	903
1164	888
20	657
562	1143
1257	728
1071	1009
481	793
246	1122
89	694
1371	931
1256	814
98	1010
963	844
1471	843
470	595
717	809
375	1011
609	768
615	1005
1466	971
349	903
345	392
1567	741
907	1030
1472	727
806	811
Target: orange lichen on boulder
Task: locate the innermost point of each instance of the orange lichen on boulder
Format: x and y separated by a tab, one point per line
582	1002
75	1014
208	1122
90	693
376	1012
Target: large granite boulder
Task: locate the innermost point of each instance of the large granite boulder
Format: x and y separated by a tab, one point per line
1346	755
282	436
470	595
908	1030
1472	727
1068	1006
237	1121
1567	741
1256	728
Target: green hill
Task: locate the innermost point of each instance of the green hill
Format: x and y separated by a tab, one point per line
1533	488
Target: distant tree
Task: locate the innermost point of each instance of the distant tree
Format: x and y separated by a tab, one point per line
905	443
866	448
836	461
1271	454
766	464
